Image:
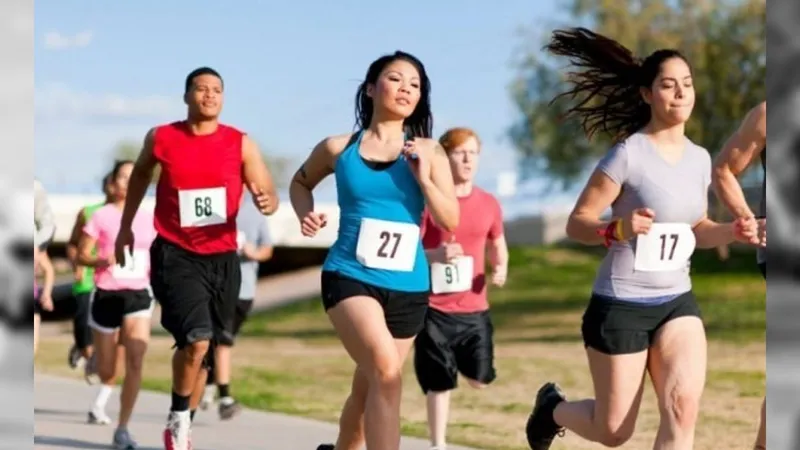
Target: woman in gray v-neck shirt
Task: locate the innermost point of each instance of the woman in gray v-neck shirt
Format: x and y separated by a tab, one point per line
642	315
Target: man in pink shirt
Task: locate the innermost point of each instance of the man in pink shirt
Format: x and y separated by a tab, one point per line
458	329
122	302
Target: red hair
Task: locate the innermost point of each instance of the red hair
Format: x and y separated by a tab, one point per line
454	137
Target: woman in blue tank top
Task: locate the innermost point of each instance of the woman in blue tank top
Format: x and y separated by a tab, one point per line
375	280
642	315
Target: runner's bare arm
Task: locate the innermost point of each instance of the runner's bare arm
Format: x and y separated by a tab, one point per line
439	190
745	145
496	244
319	164
74	238
597	196
49	273
710	234
256	173
86	245
141	177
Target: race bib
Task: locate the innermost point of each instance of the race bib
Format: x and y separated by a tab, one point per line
202	207
667	247
387	245
455	276
240	240
136	264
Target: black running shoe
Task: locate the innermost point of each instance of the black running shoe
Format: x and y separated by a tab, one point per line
541	428
229	410
326	447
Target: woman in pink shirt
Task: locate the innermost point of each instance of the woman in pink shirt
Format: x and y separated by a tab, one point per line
122	303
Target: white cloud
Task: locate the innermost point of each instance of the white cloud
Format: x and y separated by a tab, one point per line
54	40
60	103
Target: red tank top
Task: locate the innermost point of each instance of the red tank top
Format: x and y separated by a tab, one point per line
200	187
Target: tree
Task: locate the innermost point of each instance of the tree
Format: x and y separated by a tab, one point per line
725	41
279	165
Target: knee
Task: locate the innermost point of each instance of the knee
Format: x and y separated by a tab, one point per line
681	408
107	371
386	374
196	351
134	360
475	384
615	433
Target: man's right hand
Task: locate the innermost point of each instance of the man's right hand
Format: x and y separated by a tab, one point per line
447	252
78	272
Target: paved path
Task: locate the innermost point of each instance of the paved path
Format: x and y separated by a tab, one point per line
60	412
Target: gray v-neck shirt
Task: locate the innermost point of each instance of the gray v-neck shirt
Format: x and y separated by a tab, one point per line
677	193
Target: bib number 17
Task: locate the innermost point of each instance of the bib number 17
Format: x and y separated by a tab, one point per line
668	242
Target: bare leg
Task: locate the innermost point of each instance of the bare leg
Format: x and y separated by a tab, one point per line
677	367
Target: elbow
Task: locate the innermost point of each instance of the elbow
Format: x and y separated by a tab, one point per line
83	260
572	229
450	225
450	221
719	176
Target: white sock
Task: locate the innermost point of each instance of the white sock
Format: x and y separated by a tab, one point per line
103	396
226	401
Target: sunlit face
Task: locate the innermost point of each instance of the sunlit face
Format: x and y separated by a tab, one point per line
205	97
398	88
464	160
120	184
671	96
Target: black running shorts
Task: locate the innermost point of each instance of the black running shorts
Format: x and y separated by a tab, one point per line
453	343
108	309
197	293
404	311
617	327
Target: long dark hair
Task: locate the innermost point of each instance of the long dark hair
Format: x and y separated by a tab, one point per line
608	80
420	122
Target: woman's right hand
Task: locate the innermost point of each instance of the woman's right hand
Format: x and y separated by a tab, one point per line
638	222
312	223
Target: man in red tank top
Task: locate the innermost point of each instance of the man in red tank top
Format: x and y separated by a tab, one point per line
195	271
458	333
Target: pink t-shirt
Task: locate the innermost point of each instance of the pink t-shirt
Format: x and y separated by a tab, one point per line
481	222
104	227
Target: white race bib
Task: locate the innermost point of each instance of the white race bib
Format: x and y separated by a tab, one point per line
667	247
203	207
455	276
240	240
387	245
135	266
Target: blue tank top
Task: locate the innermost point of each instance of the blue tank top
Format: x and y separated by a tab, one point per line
391	194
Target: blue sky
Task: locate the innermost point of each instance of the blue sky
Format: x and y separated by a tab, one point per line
107	71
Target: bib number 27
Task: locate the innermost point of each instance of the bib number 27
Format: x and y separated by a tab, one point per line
387	245
202	207
388	241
